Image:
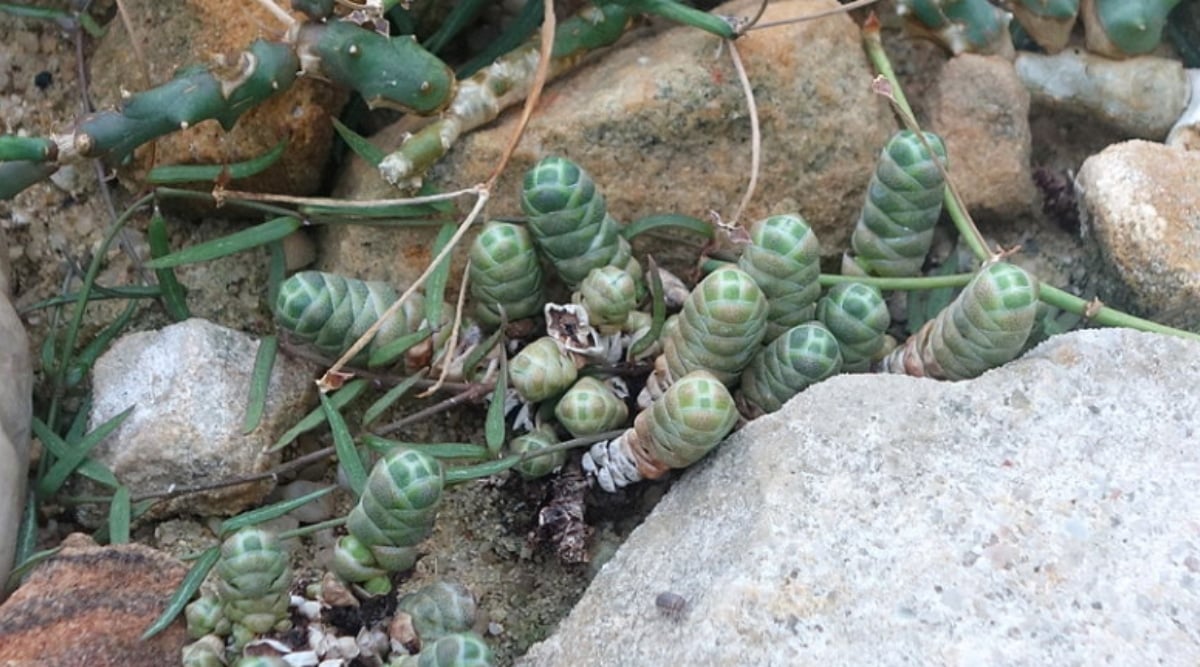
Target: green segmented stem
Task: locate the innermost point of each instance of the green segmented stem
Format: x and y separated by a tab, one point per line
463	649
541	370
784	259
590	407
904	200
569	221
688	421
803	355
722	324
984	327
609	295
962	25
253	581
439	609
396	511
857	316
505	273
331	312
1122	28
535	441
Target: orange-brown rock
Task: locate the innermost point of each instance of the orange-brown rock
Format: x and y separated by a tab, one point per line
89	606
175	34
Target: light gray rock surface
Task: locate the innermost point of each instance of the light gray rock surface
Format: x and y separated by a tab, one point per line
1140	206
16	410
190	382
662	126
1042	514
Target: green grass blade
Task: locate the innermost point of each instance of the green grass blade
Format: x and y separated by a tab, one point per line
386	401
276	272
190	173
670	222
260	379
476	355
364	149
82	364
468	473
174	296
62	469
438	450
90	468
460	16
272	511
258	235
27	535
101	294
435	286
659	310
518	30
343	443
183	594
119	517
340	398
495	429
388	354
25	565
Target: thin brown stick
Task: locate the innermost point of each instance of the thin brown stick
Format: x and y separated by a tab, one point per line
452	344
347	203
549	22
755	134
474	393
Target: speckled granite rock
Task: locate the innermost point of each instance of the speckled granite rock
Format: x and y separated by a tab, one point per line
89	605
1141	211
1043	513
661	125
189	384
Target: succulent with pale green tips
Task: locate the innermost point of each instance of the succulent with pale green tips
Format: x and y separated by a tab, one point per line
505	273
541	370
536	440
439	609
784	259
984	327
691	418
331	312
858	317
904	200
803	355
253	581
208	651
395	513
260	661
721	327
464	649
590	407
205	615
569	221
609	295
961	25
1125	28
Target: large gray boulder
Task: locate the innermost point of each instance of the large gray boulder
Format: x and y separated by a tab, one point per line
16	411
1044	513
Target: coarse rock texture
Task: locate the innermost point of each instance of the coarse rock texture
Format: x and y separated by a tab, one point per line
1142	97
16	409
661	125
188	386
981	111
1043	513
89	605
173	35
1141	210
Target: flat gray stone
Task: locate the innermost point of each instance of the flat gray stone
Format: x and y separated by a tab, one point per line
189	383
1044	513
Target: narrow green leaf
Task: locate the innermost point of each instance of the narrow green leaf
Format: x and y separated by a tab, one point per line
495	430
369	152
101	293
475	356
461	15
25	565
517	31
343	443
340	398
468	473
387	400
668	221
435	286
119	516
388	354
85	358
260	379
276	272
312	528
191	173
90	468
174	296
272	511
183	594
58	473
258	235
659	310
26	535
438	450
